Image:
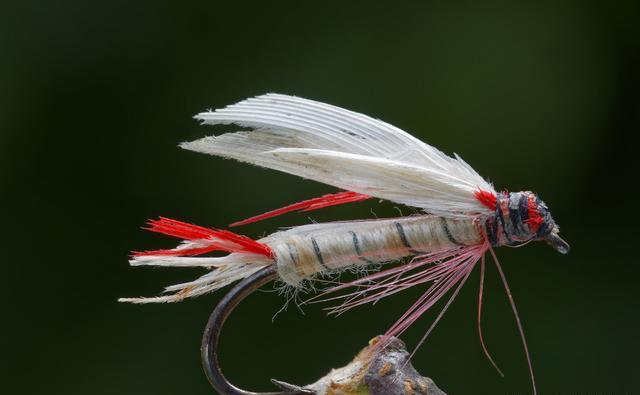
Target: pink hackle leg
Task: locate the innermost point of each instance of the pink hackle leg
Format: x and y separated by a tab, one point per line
517	317
444	309
429	298
388	281
484	346
457	275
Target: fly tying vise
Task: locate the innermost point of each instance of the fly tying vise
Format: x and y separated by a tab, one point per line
463	217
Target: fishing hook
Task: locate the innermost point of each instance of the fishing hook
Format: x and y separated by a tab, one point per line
211	337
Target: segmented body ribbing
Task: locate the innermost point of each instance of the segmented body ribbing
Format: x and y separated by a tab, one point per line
306	250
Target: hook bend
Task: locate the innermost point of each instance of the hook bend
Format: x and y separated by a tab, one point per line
211	337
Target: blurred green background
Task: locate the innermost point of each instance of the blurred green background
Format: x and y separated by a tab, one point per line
95	96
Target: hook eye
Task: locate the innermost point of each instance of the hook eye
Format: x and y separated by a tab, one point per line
557	243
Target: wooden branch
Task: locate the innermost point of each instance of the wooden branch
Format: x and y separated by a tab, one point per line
386	372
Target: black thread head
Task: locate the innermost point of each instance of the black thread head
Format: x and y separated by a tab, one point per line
521	217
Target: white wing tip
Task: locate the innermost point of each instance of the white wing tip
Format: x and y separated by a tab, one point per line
203	116
188	145
198	145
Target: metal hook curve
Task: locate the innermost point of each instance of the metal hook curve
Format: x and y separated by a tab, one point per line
211	336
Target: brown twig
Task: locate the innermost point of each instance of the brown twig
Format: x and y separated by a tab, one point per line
377	372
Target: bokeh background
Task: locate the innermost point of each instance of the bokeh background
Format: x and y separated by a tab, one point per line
94	97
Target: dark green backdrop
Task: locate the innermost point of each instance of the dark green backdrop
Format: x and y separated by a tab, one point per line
94	97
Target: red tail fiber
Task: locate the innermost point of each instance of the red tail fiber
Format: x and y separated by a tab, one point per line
204	240
333	199
179	229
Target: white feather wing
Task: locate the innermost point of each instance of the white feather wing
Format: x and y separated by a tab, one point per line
345	149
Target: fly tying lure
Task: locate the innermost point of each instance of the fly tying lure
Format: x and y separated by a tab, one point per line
463	216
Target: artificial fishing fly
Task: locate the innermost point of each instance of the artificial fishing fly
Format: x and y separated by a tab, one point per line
463	217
